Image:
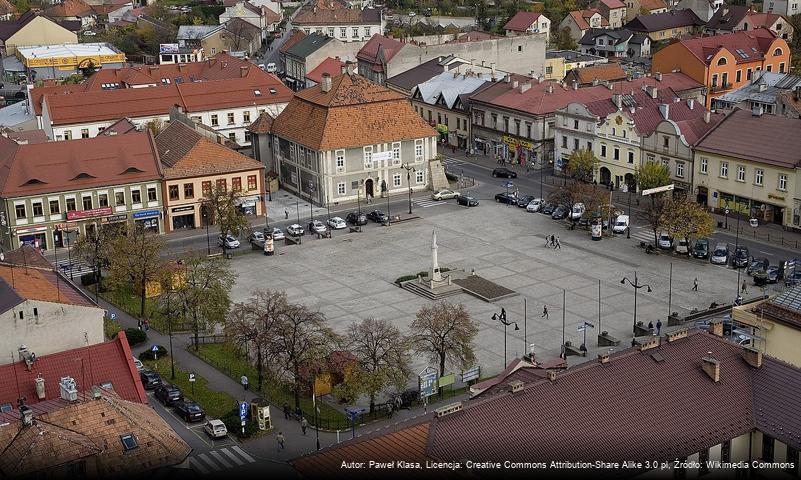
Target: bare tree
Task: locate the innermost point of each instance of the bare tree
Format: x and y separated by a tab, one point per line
95	248
445	332
136	260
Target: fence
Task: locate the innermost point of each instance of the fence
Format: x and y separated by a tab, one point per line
207	339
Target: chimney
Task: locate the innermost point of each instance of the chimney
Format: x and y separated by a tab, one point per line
603	358
716	327
153	69
664	109
516	386
617	99
690	103
181	67
507	78
595	82
549	88
525	87
325	83
540	79
575	85
651	91
492	68
243	71
40	387
68	390
711	367
658	76
652	342
514	84
552	375
752	357
677	335
610	85
707	116
449	409
344	69
26	413
756	111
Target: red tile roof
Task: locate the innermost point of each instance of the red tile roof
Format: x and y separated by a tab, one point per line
522	21
335	12
602	73
379	50
297	35
331	66
69	8
40	283
580	18
263	124
754	43
612	4
88	366
653	4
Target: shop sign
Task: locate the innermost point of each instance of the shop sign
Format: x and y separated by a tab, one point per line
382	156
115	218
775	197
514	142
66	226
23	231
183	209
146	214
94	212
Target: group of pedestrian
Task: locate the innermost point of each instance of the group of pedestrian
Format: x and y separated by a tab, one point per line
144	324
553	242
658	326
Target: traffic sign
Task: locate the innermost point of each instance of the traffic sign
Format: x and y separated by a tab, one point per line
155	349
192	377
507	184
243	410
113	315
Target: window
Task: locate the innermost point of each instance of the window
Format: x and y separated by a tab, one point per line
102	200
84	133
189	190
631	157
777	52
666	142
71	205
396	150
119	198
564	141
343	32
517	126
603	150
589	146
724	169
528	130
575	144
206	187
222	185
506	124
617	154
331	32
367	32
576	124
87	203
396	180
252	182
680	169
246	116
232	136
767	448
136	196
367	152
230	118
341	188
759	174
722	61
173	190
129	442
38	211
236	184
340	158
614	132
715	80
748	74
291	151
781	67
151	194
494	120
214	121
740	173
418	150
20	210
704	164
55	207
769	68
782	181
738	76
67	134
355	32
420	177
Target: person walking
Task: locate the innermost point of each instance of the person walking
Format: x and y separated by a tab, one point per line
553	240
658	327
303	425
286	214
545	312
695	284
558	245
547	240
744	289
139	322
146	322
280	440
651	326
286	411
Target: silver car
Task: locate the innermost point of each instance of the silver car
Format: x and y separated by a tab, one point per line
337	223
534	205
278	234
720	255
294	230
444	195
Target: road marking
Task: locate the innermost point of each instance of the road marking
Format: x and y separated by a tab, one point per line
209	462
220	459
232	456
197	465
429	203
243	453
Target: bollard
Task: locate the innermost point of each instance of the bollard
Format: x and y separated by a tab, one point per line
337	436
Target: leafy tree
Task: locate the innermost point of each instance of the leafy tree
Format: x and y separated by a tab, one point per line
563	40
383	356
96	248
136	260
582	164
445	332
155	126
652	175
227	214
684	218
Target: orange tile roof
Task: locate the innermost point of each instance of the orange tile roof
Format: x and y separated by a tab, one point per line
69	8
331	66
581	16
43	284
754	43
353	113
263	124
651	5
603	72
335	12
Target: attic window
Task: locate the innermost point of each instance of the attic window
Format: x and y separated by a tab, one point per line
107	385
179	80
132	170
33	181
165	81
273	91
82	175
257	93
129	442
6	407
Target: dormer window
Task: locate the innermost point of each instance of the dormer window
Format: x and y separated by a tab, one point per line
273	91
722	61
132	170
82	176
165	81
777	52
257	93
33	181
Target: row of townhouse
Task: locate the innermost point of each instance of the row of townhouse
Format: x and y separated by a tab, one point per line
55	191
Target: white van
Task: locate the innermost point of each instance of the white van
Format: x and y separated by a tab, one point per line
578	211
621	224
271	68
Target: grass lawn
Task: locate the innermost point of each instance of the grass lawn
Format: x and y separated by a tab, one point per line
216	404
111	327
229	361
130	304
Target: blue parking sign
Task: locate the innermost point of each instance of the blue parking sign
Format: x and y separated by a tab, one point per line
243	410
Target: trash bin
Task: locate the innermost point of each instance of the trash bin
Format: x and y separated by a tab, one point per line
720	224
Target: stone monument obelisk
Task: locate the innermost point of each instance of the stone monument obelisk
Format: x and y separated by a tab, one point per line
435	276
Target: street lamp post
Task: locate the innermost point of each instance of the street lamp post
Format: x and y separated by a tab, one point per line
206	221
69	256
628	229
409	169
502	318
736	246
636	286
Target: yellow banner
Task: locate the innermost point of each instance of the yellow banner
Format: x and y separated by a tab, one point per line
514	142
73	61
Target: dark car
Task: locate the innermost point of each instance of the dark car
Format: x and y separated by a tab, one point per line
150	380
523	201
189	411
548	208
757	265
507	198
772	274
377	216
740	259
701	248
792	278
356	218
168	394
504	173
467	201
560	212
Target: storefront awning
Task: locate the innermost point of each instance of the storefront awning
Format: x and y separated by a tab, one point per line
247	201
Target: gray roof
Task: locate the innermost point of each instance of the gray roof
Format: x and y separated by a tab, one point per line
727	17
619	35
8	297
450	86
417	75
192	32
308	45
664	21
572	55
765	89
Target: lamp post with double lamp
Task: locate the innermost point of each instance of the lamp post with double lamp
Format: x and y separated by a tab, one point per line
628	229
206	221
409	169
637	285
502	318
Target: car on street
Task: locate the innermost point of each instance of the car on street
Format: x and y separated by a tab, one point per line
378	216
467	201
215	428
504	173
561	212
740	259
534	205
665	242
577	211
316	226
189	411
720	255
89	33
150	379
772	274
701	248
278	234
444	195
271	68
757	265
548	208
294	230
228	241
682	246
356	218
337	223
523	201
507	198
257	238
168	394
138	364
621	224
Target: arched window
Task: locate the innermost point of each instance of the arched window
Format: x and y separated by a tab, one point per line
777	52
722	61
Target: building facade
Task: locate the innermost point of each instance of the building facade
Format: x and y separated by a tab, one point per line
336	19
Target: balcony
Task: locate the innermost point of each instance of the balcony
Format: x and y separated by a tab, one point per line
721	87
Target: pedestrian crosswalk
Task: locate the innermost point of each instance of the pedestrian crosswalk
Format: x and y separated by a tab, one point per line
428	203
642	234
76	268
452	161
209	462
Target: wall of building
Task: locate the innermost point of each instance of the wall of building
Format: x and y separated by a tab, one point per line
777	339
677	155
617	133
566	134
40	31
55	327
458	122
362	32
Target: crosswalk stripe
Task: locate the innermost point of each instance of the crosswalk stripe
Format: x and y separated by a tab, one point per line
243	454
78	268
232	456
429	203
196	465
208	461
220	459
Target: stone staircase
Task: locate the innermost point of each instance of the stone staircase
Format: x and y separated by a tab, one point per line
423	291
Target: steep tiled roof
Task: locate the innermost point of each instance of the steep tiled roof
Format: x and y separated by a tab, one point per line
120	127
664	21
69	8
270	16
618	35
263	124
651	5
580	18
26	136
242	29
522	21
26	255
753	42
612	4
727	17
9	28
602	73
77	164
763	20
419	74
767	139
308	45
379	50
335	12
296	36
6	7
37	283
353	113
331	66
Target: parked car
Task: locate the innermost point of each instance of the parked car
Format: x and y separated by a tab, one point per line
168	394
508	198
665	242
229	241
682	246
89	33
621	224
534	205
467	201
772	274
701	248
793	278
740	259
548	208
504	173
138	364
720	255
316	226
189	411
257	238
523	201
444	195
412	14
378	216
337	223
757	265
577	211
150	379
271	68
215	429
561	212
294	230
356	218
278	234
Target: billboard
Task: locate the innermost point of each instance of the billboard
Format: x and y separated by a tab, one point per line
94	212
168	48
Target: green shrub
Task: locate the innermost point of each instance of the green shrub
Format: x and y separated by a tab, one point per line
134	336
111	328
234	424
451	177
150	355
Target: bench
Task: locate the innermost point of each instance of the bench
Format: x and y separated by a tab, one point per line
606	340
